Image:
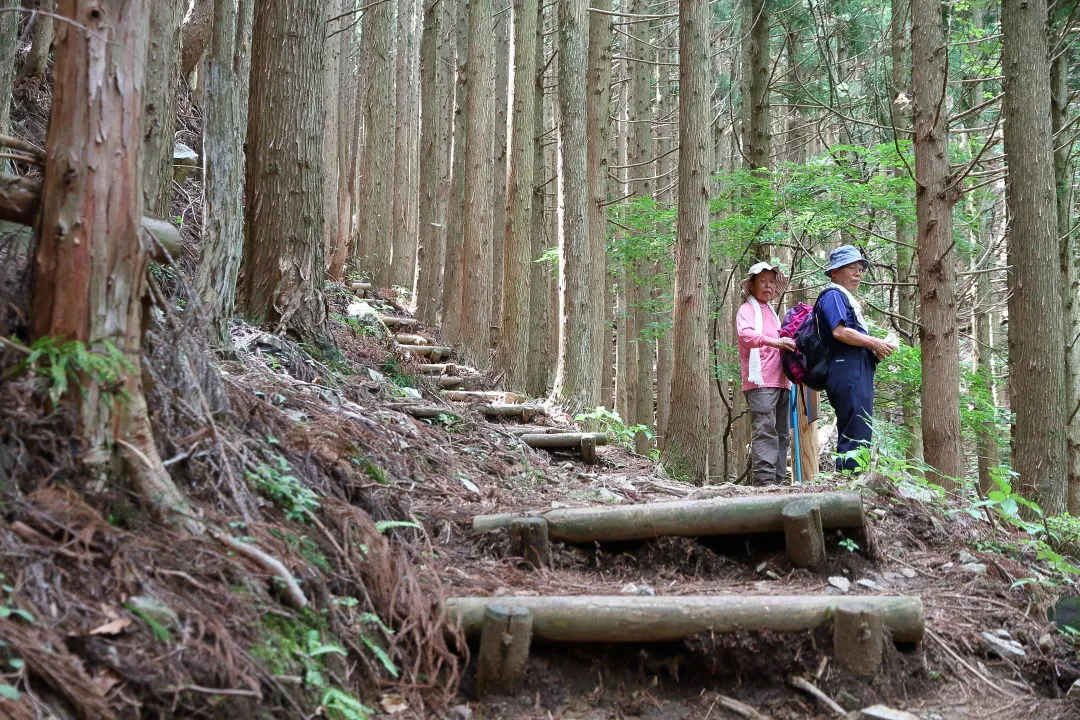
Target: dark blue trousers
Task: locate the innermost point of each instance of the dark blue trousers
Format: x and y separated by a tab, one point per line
850	389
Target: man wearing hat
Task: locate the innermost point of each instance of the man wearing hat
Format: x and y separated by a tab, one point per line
763	380
855	353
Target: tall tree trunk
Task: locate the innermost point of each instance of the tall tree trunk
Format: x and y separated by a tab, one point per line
454	271
225	117
90	264
403	267
196	33
159	114
9	36
502	60
1070	273
333	131
1036	376
35	62
937	271
540	345
598	129
665	197
479	171
686	453
375	232
577	377
640	158
283	258
431	120
340	235
513	349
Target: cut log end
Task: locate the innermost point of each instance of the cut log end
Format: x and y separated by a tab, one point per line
529	540
505	640
804	538
858	639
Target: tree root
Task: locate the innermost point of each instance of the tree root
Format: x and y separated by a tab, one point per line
293	594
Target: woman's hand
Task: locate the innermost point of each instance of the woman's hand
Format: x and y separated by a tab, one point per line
784	344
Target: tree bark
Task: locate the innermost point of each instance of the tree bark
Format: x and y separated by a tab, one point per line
686	518
333	130
540	345
283	258
35	62
403	267
196	34
9	36
1036	375
90	263
577	376
375	231
686	453
454	271
636	619
1070	273
504	650
340	235
757	71
598	130
937	272
431	120
475	331
513	351
502	61
225	122
159	114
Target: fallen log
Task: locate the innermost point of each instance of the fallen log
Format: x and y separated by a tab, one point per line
687	518
483	396
525	412
435	352
360	286
639	619
20	197
422	411
440	369
585	442
455	381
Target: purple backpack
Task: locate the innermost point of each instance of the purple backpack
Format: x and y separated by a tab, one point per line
793	363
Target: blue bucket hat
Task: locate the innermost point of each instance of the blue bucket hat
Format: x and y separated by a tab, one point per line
845	255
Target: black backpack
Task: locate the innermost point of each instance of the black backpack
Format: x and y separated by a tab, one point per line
815	352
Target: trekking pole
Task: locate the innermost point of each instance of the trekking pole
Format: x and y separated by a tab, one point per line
794	407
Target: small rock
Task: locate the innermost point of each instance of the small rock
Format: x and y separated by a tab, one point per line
771	575
460	712
891	576
556	505
884	712
975	567
1074	691
946	566
840	583
909	573
595	495
761	568
964	557
1001	633
376	375
635	589
867	584
1046	642
469	485
1004	648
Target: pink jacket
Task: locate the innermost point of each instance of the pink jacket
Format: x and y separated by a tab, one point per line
771	371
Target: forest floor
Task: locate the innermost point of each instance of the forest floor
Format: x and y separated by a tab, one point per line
249	438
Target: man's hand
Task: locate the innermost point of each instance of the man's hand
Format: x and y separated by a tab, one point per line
784	344
882	349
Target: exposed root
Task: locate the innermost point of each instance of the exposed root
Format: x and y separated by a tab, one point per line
293	593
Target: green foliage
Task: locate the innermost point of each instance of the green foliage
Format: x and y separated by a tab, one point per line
339	704
849	544
159	631
7	603
63	363
307	548
373	469
600	419
9	692
285	490
396	375
383	525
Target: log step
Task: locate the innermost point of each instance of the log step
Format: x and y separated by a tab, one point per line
585	442
410	339
446	369
533	429
394	321
435	352
422	411
524	413
360	287
483	396
639	619
686	518
455	381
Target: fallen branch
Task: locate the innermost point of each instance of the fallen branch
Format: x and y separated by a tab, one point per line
810	689
952	653
293	593
740	708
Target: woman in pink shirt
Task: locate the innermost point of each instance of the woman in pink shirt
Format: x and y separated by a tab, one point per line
763	380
